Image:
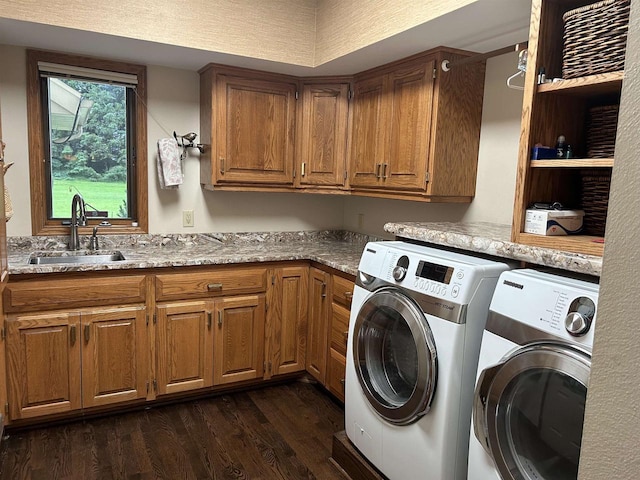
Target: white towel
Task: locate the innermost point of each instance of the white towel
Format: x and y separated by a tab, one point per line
169	164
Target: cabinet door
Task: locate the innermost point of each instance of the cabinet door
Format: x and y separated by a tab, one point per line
369	130
113	356
287	321
404	165
255	131
318	324
323	139
238	350
185	346
43	364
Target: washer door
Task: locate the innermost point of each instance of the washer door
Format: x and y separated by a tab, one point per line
395	356
529	409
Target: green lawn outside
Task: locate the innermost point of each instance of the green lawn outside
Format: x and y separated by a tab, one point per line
101	195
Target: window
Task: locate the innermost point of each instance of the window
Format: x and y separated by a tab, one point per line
87	135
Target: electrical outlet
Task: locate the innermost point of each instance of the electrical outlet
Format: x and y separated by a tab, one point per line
360	220
187	218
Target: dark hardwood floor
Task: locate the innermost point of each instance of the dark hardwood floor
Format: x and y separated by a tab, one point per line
278	432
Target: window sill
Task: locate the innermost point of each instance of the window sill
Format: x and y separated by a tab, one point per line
114	229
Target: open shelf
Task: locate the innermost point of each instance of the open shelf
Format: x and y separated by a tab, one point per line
573	163
584	244
601	84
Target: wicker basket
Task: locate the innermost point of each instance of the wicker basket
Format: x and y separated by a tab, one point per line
595	37
601	131
594	201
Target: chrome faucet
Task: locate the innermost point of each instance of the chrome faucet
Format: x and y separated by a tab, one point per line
78	218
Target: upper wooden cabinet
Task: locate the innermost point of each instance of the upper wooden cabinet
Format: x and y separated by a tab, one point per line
416	129
410	131
322	133
563	107
248	118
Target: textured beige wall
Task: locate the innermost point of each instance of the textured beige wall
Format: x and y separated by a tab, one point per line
612	424
344	26
277	30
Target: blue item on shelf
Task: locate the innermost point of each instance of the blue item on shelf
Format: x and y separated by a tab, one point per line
540	153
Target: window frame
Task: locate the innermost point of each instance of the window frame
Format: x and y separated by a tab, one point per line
40	224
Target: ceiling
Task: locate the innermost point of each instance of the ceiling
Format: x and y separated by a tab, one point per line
482	26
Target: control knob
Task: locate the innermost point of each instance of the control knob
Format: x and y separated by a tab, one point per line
581	313
400	270
399	273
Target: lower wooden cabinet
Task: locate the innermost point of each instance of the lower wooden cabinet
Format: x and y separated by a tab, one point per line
287	318
63	361
238	350
319	300
286	333
184	350
329	310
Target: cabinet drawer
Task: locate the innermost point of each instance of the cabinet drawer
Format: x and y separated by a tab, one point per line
179	286
339	328
342	291
34	295
336	374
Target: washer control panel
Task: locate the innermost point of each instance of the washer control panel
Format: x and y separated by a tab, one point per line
430	276
562	306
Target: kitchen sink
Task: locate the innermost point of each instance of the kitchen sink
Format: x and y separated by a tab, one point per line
63	257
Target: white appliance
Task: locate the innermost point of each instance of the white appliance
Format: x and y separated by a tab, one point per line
416	322
533	374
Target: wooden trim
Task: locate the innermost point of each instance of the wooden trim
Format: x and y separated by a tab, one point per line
39	223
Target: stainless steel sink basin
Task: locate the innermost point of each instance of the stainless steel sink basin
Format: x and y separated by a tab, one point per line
52	259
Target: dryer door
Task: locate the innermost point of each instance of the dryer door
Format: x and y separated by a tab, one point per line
529	409
395	356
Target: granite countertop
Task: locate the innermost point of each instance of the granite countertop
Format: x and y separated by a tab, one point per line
337	249
494	239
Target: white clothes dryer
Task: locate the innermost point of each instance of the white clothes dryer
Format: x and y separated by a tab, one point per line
533	375
416	322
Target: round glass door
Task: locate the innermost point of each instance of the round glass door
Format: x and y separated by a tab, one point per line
534	411
395	356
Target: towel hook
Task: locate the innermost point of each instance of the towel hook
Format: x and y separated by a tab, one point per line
186	141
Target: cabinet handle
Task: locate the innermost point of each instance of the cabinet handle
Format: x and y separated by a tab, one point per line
324	290
378	170
87	332
72	335
221	160
342	383
209	320
214	287
348	296
303	169
384	170
345	335
219	318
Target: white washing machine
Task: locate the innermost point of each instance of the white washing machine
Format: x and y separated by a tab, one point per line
533	374
417	319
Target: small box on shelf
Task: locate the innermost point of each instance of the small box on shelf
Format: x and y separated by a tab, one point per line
553	222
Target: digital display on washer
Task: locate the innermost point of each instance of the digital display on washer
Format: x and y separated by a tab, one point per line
435	272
